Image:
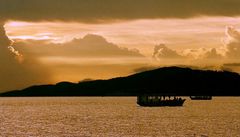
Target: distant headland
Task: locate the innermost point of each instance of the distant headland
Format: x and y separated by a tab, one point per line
175	81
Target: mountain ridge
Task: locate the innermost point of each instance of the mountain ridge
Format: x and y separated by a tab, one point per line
180	81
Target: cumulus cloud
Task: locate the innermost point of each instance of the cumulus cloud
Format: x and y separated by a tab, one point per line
201	53
6	46
14	74
89	57
7	52
212	54
3	37
232	43
45	62
89	46
163	52
230	51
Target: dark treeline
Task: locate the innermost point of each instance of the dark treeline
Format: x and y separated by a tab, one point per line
162	81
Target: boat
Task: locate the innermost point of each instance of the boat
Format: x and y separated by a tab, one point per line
201	97
152	101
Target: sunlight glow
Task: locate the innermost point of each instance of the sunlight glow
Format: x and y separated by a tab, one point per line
141	34
17	24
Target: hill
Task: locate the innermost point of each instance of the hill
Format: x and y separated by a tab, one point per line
163	81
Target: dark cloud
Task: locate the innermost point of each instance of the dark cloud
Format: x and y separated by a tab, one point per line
232	64
6	56
142	69
14	74
110	10
231	67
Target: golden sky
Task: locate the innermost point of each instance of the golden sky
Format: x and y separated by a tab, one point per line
142	34
71	40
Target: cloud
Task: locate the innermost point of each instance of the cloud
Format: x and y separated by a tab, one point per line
3	37
112	10
232	64
91	45
201	53
232	43
6	51
44	62
229	52
163	52
14	74
212	54
89	57
231	67
167	56
146	68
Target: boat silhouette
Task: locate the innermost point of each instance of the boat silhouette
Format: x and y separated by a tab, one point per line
152	101
201	97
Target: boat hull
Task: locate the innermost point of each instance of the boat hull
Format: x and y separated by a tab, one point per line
171	103
201	97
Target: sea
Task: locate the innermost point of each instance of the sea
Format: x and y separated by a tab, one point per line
117	117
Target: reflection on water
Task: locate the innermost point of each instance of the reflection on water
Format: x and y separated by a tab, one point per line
117	116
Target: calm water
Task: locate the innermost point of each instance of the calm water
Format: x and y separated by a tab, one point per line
117	116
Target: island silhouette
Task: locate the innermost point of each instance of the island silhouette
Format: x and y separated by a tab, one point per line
172	81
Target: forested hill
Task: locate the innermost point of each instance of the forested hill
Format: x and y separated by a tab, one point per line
162	81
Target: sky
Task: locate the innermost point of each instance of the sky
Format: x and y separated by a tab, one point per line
71	40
